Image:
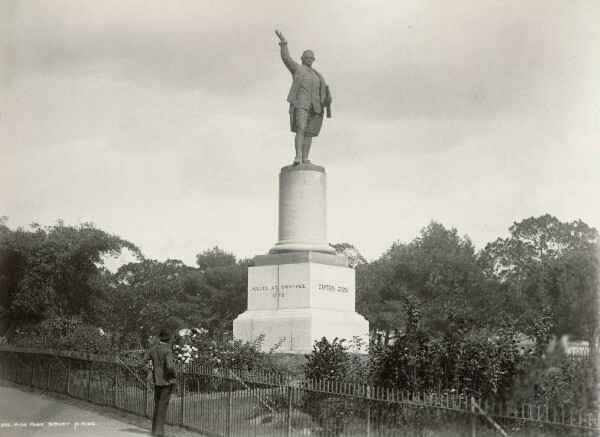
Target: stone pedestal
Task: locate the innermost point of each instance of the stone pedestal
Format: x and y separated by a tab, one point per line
301	291
297	298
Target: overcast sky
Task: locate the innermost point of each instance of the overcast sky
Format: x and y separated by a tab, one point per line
166	122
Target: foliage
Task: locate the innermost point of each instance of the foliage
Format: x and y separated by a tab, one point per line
466	359
52	270
140	297
47	333
334	360
214	257
65	332
330	361
447	316
548	263
439	269
88	339
574	384
217	293
204	349
351	253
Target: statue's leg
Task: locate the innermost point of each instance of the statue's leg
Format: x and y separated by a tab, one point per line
301	118
306	149
299	142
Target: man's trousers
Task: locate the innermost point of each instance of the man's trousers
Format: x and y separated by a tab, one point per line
162	395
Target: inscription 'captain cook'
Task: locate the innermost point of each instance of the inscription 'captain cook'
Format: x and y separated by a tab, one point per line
330	287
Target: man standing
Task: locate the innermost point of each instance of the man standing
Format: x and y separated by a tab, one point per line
163	378
308	97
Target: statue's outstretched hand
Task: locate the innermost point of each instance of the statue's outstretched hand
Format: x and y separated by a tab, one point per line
280	35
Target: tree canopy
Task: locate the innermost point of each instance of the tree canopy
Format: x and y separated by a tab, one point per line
53	269
544	270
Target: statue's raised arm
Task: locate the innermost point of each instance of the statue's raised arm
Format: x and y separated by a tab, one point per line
285	54
308	97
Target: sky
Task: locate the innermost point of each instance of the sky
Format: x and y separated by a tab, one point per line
166	122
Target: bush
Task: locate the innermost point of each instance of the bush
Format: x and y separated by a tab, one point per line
328	360
87	339
477	361
63	332
201	348
557	380
46	334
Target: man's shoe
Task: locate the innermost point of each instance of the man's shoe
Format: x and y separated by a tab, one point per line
306	162
296	160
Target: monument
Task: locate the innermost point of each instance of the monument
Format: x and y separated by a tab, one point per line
301	291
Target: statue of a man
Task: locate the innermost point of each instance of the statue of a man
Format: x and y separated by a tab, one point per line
308	97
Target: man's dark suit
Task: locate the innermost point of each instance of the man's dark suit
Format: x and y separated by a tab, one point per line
163	378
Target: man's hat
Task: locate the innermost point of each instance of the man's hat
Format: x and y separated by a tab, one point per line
165	335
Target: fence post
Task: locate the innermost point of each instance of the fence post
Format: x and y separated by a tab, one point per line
48	376
229	393
69	377
289	410
473	424
182	412
89	383
32	370
147	399
368	410
115	381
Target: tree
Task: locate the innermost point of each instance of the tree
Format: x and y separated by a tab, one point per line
53	270
384	314
217	293
548	263
214	257
141	297
351	253
438	270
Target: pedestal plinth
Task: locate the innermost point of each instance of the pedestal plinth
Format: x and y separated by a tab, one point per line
297	298
302	210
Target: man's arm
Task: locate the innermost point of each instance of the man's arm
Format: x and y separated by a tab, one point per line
144	359
169	361
285	54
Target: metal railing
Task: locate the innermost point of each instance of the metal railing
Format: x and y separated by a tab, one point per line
228	402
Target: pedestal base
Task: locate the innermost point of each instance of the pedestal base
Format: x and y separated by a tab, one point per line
300	297
295	330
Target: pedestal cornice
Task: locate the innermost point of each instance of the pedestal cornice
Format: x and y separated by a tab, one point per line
300	257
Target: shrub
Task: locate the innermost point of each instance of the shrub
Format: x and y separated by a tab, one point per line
201	348
328	360
331	361
557	380
478	361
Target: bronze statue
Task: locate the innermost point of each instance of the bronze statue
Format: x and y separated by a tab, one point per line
308	97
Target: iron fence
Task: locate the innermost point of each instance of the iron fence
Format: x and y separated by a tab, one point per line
226	402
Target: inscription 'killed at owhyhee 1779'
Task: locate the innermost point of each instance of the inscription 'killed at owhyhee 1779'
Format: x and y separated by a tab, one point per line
276	288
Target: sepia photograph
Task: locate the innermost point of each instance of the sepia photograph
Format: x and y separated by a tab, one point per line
299	218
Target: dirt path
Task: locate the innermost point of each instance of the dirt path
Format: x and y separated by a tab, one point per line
27	412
